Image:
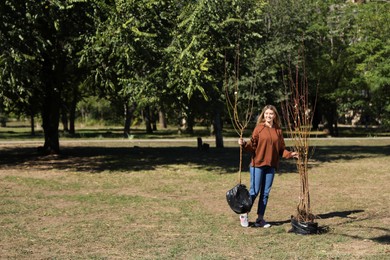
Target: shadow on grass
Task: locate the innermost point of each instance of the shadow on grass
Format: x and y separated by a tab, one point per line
385	239
321	229
382	239
99	159
339	214
226	160
324	154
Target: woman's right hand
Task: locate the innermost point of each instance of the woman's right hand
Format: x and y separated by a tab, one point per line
241	141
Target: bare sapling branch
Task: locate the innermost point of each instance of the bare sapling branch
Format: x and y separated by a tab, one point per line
239	120
298	115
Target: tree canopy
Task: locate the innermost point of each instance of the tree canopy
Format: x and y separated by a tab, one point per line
174	57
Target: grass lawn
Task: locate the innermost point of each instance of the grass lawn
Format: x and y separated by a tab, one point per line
154	199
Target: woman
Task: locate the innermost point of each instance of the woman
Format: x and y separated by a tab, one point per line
266	146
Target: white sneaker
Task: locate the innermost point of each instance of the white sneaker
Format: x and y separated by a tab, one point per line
244	220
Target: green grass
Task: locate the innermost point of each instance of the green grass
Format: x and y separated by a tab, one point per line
148	200
21	131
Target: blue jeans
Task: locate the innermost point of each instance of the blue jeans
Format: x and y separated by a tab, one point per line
261	180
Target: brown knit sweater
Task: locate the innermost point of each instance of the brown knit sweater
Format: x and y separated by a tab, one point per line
266	145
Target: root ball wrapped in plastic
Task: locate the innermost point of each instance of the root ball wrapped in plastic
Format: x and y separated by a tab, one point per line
239	199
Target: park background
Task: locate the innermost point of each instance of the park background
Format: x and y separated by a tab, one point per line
102	102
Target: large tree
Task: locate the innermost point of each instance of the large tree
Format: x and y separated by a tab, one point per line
368	91
171	55
208	35
39	46
290	26
125	56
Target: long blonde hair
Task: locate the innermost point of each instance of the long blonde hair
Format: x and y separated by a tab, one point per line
261	119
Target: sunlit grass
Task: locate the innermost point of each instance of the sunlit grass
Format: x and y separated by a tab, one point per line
101	201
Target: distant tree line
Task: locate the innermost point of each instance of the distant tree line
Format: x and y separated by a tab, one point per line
170	60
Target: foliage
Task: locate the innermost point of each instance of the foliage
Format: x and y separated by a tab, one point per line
125	55
208	33
356	37
285	25
92	110
370	63
38	52
170	55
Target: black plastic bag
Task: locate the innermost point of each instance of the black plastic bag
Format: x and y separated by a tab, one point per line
239	199
303	228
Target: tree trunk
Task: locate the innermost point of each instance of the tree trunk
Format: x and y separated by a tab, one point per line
72	109
72	115
190	123
331	118
50	121
32	121
3	117
64	118
32	125
316	119
153	119
218	130
148	125
162	119
129	110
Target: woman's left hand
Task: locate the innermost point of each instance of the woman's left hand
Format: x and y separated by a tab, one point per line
295	155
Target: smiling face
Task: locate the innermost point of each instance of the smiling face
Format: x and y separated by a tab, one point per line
269	116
